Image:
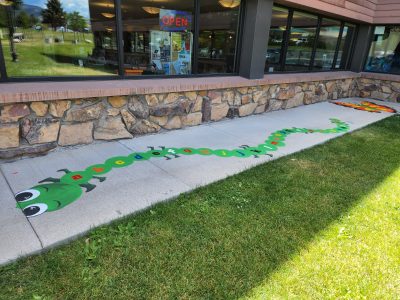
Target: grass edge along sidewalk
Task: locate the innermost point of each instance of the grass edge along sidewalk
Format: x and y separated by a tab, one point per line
321	223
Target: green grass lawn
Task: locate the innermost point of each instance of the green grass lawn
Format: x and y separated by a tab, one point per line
320	224
37	58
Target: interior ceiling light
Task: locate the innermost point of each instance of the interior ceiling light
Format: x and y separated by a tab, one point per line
5	3
151	10
229	3
108	15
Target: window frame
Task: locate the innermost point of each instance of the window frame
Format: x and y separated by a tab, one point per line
120	53
285	43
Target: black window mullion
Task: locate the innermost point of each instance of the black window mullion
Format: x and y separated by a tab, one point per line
314	49
3	72
338	46
120	37
352	46
239	33
196	29
286	39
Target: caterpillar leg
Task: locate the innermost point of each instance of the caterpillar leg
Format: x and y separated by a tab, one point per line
66	171
50	179
101	179
88	186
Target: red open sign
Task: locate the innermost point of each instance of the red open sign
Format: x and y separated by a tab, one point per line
173	20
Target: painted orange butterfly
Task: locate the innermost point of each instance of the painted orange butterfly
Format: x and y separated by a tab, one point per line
367	106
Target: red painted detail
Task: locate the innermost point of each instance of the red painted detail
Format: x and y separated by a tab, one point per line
77	177
98	170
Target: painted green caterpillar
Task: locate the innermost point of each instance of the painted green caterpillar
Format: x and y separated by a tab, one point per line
59	192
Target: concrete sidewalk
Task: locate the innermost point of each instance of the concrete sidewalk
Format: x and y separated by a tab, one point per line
136	187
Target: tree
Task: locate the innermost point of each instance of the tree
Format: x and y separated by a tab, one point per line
75	21
11	6
33	20
54	14
23	20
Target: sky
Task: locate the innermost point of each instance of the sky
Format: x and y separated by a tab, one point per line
81	6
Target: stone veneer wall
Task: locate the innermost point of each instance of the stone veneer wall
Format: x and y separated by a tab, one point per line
37	127
385	90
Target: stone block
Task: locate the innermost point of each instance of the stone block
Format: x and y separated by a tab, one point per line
179	108
39	108
245	98
364	94
219	111
215	97
58	108
138	107
192	119
275	105
171	98
229	96
173	123
242	90
117	101
84	114
13	112
246	110
111	128
9	136
260	97
260	109
330	86
285	94
386	89
73	134
128	119
27	150
152	100
191	95
143	127
40	130
112	112
297	100
379	95
198	104
161	121
206	109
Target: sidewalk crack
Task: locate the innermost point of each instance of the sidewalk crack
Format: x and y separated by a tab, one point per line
27	219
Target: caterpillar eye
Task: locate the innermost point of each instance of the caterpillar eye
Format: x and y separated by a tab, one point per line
35	209
27	195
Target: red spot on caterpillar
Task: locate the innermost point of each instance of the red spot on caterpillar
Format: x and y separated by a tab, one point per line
98	170
76	177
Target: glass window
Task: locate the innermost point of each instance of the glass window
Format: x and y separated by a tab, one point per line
326	44
158	37
218	35
301	41
58	38
345	46
277	34
384	53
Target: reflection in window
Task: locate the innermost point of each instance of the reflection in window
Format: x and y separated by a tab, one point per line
301	41
345	46
218	33
58	38
277	35
384	54
158	37
326	44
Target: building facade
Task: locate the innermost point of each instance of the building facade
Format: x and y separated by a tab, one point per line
78	70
